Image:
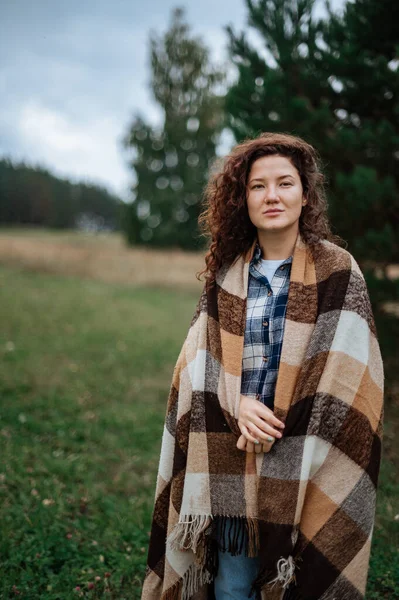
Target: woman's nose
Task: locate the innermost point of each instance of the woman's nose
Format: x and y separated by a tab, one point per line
271	192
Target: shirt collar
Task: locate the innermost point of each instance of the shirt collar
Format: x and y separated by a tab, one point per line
257	256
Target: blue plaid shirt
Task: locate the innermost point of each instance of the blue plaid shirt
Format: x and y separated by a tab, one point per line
263	338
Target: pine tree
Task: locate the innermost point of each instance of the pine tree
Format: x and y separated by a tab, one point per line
334	82
171	163
280	88
361	54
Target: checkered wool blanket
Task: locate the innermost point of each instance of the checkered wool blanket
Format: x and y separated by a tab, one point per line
308	505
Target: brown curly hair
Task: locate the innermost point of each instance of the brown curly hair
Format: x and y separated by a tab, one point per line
224	218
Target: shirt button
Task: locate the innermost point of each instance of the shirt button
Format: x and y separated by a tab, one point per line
258	396
265	323
265	358
269	293
282	268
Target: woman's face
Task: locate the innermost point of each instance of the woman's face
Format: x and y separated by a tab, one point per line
274	184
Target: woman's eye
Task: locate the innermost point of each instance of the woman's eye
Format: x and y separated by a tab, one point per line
258	186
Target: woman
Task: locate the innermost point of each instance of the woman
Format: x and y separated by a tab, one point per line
272	439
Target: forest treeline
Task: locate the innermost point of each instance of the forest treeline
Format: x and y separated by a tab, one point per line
33	196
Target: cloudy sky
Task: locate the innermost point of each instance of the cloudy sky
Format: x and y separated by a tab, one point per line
73	74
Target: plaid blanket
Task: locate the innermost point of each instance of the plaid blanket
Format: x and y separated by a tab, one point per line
308	505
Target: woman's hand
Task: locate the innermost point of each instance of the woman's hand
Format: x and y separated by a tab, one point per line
246	446
256	422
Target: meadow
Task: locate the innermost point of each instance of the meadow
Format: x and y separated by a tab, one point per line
90	334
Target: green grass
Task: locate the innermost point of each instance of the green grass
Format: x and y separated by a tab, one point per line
85	371
84	375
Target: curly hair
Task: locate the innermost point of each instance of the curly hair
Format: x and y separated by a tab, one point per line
224	217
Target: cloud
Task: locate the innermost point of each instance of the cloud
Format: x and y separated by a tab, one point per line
67	102
86	152
73	74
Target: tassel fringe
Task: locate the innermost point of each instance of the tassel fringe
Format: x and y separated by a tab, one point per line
187	533
204	535
285	577
253	537
237	535
285	572
193	579
190	533
240	533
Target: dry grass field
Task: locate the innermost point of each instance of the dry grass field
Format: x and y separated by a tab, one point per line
103	257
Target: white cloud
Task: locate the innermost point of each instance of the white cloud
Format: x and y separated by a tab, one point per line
86	151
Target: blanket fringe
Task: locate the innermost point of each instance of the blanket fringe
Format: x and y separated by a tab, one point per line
204	534
186	534
285	577
285	572
240	534
197	574
253	537
193	579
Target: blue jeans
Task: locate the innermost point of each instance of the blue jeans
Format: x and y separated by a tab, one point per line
235	573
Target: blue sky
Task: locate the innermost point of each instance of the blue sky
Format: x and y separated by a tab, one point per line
73	74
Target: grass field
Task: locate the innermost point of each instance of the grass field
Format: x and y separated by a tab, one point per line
103	257
85	369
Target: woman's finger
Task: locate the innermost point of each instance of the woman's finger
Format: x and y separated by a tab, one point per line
258	448
267	446
250	447
246	445
254	446
245	431
242	442
261	429
264	412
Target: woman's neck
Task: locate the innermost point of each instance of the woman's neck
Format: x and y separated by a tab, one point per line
277	245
